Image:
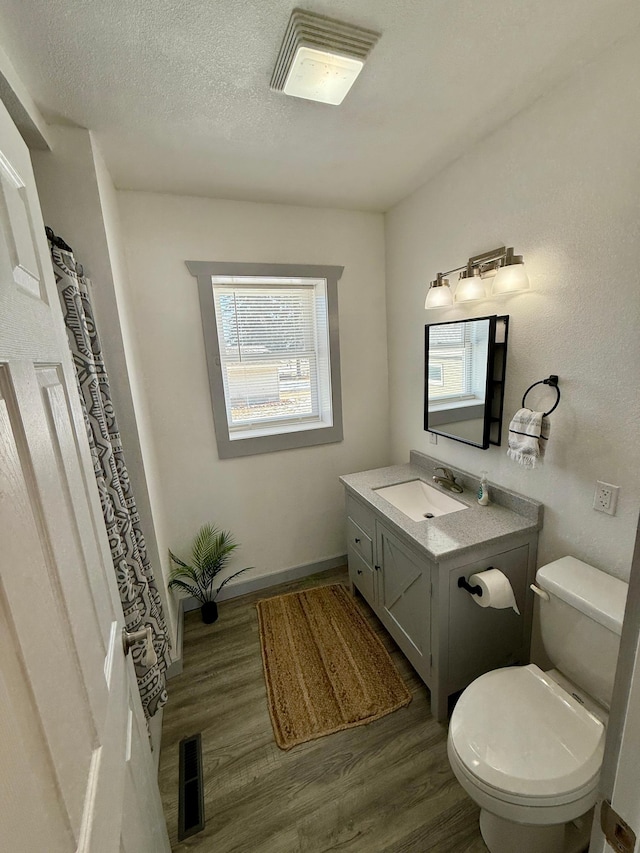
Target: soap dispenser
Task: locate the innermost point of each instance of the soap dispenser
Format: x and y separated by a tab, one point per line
483	491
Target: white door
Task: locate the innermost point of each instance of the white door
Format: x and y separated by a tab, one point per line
76	771
620	777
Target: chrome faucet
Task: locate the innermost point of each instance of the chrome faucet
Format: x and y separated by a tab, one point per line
448	481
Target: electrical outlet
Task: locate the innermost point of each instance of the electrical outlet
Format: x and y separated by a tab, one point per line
433	438
605	498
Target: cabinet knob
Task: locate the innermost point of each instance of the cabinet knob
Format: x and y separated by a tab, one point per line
356	540
359	571
377	568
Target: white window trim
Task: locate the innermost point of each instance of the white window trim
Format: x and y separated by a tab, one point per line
303	436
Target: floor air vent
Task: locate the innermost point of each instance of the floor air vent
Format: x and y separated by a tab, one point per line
191	800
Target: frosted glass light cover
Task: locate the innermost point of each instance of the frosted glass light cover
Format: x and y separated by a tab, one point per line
318	75
439	297
470	288
510	279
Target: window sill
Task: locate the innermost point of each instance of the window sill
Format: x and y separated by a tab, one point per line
232	448
272	432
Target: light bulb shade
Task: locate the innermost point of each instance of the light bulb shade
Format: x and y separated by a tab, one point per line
470	288
510	279
439	295
318	75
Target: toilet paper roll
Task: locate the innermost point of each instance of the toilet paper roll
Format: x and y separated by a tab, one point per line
496	590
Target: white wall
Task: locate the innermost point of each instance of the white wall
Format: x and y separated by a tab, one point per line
286	509
78	202
154	493
560	182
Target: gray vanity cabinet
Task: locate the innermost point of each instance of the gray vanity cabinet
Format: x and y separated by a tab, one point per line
446	636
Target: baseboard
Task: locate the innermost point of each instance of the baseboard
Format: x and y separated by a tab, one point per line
252	584
243	586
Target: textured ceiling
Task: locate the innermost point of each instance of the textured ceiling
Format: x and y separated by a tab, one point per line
178	90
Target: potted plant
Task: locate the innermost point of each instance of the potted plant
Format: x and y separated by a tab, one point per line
210	553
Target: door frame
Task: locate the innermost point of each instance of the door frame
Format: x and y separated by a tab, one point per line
619	765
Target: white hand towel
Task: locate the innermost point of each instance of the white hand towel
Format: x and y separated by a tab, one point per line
528	436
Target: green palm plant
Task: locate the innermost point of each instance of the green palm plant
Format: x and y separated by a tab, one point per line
210	553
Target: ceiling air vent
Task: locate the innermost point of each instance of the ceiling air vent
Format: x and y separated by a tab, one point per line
320	57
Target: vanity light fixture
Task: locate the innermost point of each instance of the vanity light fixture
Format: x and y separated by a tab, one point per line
320	58
470	286
439	294
511	276
506	269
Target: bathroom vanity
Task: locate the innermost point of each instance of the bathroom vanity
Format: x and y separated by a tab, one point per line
408	571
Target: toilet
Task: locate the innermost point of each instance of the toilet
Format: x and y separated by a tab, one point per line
527	745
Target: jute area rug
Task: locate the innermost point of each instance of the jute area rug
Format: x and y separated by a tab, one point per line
324	667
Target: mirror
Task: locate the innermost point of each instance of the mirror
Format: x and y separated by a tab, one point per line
465	363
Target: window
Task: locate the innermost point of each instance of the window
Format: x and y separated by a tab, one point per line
453	372
271	338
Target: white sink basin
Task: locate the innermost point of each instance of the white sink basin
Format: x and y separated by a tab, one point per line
419	501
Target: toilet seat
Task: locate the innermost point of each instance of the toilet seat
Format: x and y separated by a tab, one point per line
520	738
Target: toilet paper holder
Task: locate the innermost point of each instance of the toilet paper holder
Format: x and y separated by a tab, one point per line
463	583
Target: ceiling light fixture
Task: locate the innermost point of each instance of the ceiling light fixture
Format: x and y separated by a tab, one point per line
320	58
507	270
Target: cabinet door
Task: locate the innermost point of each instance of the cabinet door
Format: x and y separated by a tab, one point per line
482	638
404	598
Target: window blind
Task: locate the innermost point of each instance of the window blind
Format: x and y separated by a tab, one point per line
450	348
274	352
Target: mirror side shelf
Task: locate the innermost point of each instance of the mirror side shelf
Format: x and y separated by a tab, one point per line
498	376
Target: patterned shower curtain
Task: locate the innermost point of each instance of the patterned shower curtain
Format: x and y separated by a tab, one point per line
138	591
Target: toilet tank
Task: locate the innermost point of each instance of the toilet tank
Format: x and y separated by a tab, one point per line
581	623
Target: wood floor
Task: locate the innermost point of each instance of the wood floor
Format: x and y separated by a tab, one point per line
381	788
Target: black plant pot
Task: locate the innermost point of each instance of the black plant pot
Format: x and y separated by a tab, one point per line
209	612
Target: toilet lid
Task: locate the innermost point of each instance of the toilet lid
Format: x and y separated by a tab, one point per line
520	732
